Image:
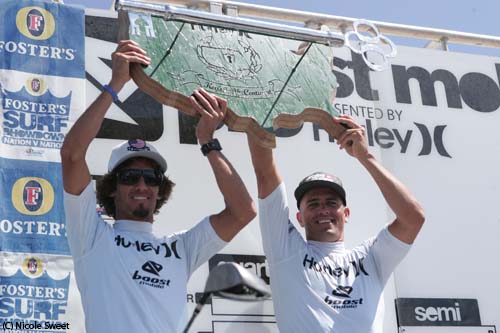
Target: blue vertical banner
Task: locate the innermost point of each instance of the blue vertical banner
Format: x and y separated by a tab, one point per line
42	92
32	208
42	38
34	297
42	73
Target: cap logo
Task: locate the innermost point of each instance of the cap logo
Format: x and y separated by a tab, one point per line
321	176
137	145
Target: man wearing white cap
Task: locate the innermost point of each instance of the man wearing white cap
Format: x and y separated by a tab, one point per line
131	280
317	284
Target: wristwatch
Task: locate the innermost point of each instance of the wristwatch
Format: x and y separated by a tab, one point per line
209	146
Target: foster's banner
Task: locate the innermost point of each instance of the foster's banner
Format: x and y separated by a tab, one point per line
41	73
42	91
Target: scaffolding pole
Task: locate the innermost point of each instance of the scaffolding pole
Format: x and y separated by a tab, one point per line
336	23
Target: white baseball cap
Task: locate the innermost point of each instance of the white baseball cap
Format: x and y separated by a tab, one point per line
135	148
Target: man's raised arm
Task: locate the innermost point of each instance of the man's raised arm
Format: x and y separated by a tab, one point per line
265	168
240	208
76	174
409	213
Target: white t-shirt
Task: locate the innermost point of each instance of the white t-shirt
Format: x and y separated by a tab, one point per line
320	286
129	279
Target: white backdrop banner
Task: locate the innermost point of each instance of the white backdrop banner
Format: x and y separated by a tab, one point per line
431	119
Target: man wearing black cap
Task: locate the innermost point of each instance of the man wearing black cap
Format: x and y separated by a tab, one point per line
317	284
131	280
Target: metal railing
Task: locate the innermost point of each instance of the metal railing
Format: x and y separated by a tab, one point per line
336	23
365	39
234	22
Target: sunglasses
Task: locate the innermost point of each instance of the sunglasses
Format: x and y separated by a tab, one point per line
132	176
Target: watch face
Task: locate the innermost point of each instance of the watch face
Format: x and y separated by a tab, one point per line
214	144
211	145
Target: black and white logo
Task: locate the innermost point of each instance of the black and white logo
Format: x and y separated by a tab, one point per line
437	312
342	298
153	268
342	291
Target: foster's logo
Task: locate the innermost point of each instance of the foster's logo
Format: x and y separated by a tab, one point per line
32	267
36	86
32	196
35	23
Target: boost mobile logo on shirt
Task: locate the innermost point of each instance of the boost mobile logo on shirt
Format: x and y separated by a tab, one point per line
153	268
342	291
341	298
35	23
32	196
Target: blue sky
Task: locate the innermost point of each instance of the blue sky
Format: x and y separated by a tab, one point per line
479	16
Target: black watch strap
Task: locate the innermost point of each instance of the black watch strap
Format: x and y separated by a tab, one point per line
209	146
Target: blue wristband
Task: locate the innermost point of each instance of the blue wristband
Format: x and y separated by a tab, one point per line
111	92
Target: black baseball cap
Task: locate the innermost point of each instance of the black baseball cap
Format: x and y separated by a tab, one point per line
319	179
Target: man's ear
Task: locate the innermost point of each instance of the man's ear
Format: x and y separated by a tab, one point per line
347	213
299	218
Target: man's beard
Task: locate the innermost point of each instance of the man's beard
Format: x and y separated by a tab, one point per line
141	212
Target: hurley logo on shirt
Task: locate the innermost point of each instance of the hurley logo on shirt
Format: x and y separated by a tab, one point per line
160	249
357	267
